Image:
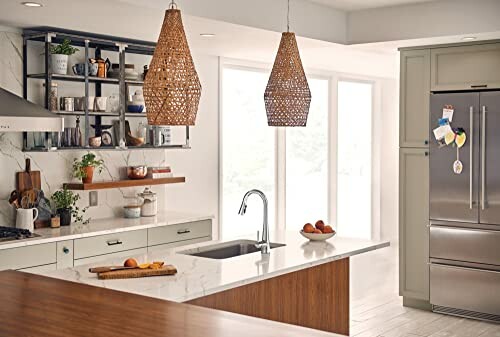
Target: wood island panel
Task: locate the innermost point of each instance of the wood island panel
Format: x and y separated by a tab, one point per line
33	305
316	297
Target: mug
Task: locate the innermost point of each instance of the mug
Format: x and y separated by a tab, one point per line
91	103
93	67
79	69
69	104
100	103
26	217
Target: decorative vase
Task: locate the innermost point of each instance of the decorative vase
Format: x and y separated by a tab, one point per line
65	216
89	174
59	64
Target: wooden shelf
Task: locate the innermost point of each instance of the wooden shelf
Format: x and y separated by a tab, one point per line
123	183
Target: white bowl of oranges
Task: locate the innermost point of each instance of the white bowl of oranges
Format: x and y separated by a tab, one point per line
318	232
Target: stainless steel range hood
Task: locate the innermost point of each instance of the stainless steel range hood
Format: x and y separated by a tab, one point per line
17	115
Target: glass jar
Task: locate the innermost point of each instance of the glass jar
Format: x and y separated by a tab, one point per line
53	98
150	203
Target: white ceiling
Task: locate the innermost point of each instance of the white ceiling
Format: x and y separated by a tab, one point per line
352	5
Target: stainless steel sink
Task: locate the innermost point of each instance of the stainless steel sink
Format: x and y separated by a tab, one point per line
227	249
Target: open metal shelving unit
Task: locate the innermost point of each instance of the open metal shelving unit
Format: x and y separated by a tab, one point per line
99	43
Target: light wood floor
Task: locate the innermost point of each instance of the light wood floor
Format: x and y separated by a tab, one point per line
377	310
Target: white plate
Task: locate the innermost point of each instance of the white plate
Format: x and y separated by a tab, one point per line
317	237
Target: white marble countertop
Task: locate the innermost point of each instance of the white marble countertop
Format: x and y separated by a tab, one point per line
104	226
198	277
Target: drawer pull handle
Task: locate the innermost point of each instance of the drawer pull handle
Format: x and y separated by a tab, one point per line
479	86
114	243
183	231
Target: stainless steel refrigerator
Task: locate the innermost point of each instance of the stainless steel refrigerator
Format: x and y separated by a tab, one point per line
465	208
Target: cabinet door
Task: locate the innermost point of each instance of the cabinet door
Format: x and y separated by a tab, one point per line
465	67
413	221
414	98
106	257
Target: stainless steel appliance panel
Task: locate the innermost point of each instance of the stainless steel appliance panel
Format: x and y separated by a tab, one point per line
465	288
454	197
490	158
465	244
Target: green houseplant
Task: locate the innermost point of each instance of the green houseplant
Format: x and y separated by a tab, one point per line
59	56
65	203
84	168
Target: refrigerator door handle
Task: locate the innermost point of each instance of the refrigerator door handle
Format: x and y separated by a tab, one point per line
471	161
483	159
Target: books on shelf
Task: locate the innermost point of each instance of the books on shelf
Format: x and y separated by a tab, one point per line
161	172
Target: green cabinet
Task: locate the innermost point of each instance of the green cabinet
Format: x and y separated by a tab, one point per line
413	223
415	68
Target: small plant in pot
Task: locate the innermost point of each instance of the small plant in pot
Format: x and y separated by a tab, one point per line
59	56
84	169
64	201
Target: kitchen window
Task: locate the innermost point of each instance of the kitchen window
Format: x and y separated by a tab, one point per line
296	167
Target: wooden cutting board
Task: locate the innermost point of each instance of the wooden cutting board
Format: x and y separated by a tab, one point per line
136	273
28	180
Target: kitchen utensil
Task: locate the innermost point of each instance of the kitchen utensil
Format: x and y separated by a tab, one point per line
91	103
135	108
28	180
317	237
96	270
79	69
93	69
150	204
137	172
68	103
44	210
14	199
25	218
103	67
135	273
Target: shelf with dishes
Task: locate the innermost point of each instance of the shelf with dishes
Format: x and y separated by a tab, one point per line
107	110
123	183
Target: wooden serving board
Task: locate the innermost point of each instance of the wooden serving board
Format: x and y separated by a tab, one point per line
136	273
28	180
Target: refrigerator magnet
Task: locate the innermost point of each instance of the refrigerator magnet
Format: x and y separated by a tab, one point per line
457	164
448	112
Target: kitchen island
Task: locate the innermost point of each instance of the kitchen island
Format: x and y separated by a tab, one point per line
302	283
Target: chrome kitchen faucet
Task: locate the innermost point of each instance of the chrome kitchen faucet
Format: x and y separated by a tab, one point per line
264	245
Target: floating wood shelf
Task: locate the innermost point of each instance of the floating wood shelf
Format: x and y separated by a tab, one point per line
123	183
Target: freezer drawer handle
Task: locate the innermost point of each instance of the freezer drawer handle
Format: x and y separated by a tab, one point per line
464	268
183	231
483	160
479	86
471	161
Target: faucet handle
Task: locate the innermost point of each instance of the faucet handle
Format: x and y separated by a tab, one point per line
258	236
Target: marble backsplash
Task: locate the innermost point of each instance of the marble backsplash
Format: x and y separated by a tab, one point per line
55	167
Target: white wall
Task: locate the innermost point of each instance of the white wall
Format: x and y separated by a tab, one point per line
429	19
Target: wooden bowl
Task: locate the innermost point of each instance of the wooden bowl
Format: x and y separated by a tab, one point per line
317	237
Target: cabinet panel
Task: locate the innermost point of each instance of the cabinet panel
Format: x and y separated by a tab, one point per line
106	257
414	98
413	221
27	257
465	67
110	243
180	232
40	269
178	244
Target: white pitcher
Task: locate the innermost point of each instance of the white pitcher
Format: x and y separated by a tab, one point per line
26	217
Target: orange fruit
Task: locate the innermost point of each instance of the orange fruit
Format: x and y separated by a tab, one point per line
328	229
131	263
308	228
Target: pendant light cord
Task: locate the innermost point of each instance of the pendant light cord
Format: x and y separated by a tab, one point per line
288	18
173	5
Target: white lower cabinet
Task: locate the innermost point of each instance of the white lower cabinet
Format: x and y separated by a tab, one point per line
69	253
98	258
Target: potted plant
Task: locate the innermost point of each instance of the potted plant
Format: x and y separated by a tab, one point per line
64	201
84	169
59	56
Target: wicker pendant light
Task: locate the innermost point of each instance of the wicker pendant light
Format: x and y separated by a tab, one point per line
172	89
287	96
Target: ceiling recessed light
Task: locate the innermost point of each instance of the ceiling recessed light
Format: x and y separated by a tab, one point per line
31	4
207	35
469	38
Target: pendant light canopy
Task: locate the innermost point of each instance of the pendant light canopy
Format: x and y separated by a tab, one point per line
172	89
287	96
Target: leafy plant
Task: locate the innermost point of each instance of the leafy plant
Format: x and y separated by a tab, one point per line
67	200
88	160
65	48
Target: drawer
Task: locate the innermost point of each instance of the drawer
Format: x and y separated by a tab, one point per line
178	244
109	243
465	288
99	258
40	269
465	244
27	257
180	232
